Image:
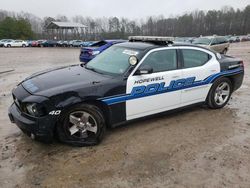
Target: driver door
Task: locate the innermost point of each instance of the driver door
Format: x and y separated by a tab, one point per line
145	91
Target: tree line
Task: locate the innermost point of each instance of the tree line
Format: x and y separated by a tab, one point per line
226	21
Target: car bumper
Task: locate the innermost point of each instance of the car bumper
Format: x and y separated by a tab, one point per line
38	128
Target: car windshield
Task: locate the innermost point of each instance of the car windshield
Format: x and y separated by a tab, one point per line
113	61
180	39
205	41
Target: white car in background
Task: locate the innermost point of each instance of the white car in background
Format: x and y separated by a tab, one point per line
16	43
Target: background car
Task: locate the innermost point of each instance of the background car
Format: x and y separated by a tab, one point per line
70	43
77	43
65	43
34	43
244	38
59	43
3	41
49	43
234	39
16	43
87	43
29	43
216	43
88	53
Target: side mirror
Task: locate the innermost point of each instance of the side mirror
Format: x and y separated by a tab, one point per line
146	69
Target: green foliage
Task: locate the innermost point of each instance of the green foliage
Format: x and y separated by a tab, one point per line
15	28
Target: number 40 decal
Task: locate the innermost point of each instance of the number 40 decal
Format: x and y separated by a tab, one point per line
55	112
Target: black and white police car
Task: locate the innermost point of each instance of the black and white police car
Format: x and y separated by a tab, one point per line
144	76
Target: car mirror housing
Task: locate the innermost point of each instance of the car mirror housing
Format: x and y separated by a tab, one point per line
146	69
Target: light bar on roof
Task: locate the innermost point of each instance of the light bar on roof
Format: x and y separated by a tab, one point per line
150	38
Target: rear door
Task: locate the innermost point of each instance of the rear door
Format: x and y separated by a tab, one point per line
215	45
223	44
198	64
146	93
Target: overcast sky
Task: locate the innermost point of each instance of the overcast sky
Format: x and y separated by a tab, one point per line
120	8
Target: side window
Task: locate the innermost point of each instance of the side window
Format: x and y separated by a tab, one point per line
214	41
194	58
221	40
163	60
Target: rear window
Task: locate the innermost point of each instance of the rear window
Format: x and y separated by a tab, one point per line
194	58
202	41
99	44
221	40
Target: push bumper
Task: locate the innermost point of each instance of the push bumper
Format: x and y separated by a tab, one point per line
40	129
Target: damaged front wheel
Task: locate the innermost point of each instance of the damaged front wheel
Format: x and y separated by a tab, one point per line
82	125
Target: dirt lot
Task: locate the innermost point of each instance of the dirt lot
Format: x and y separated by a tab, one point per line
195	147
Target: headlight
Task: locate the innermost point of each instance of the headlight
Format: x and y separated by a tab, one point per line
35	110
95	52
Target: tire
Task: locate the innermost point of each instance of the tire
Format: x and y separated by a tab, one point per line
220	93
8	46
81	125
23	45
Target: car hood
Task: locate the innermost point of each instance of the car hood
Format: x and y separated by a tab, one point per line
61	80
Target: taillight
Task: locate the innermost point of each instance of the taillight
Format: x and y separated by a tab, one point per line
90	52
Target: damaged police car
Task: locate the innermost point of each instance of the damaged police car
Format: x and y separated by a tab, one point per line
142	77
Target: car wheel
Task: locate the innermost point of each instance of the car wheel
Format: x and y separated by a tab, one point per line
220	93
82	125
224	51
23	45
8	45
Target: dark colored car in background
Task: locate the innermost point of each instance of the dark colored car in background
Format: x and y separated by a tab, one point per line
49	43
88	53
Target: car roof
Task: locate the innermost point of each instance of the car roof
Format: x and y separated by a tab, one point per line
138	45
146	46
115	40
212	37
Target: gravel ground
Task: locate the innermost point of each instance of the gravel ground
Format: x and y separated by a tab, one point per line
195	147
